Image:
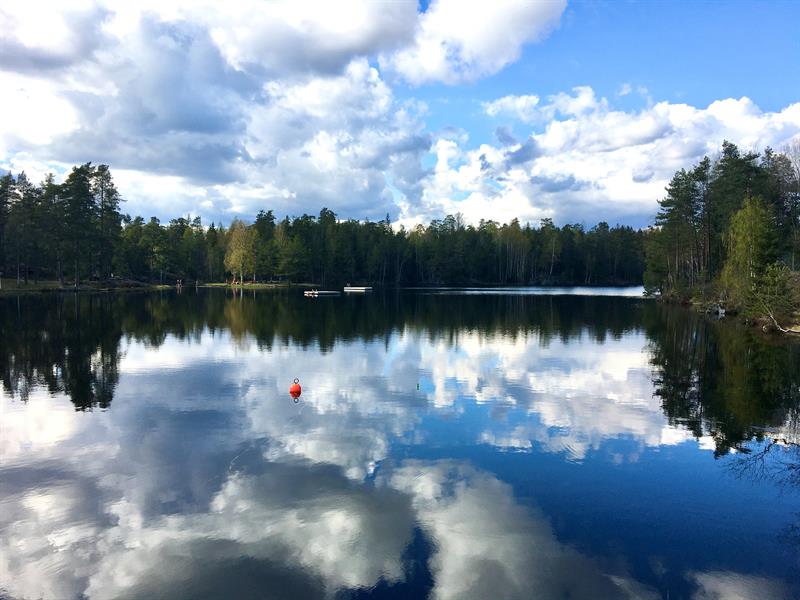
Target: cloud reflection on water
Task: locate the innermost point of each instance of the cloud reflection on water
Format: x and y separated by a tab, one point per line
204	477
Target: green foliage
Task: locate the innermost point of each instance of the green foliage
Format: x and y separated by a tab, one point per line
293	259
265	247
78	223
45	226
6	199
107	218
751	247
656	275
154	244
701	236
240	253
775	295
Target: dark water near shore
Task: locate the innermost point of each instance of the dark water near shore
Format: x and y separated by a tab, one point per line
446	445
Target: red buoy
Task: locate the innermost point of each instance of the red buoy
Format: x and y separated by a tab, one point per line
295	390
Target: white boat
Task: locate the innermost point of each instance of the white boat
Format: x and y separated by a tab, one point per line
354	289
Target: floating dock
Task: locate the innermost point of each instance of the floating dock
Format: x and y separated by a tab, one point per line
353	289
316	293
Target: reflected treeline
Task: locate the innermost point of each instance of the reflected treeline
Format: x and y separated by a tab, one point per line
722	378
715	378
286	318
71	343
66	344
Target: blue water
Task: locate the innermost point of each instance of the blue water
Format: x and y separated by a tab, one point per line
457	445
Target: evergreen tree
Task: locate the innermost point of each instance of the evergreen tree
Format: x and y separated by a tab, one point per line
78	222
132	255
108	217
52	226
693	235
265	246
293	259
79	212
153	243
6	198
215	252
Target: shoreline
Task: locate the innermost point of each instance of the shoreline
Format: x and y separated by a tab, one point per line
9	287
711	310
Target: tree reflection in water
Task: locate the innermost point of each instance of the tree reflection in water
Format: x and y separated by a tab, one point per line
715	378
67	344
71	343
719	381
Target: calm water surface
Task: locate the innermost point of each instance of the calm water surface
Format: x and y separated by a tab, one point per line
446	445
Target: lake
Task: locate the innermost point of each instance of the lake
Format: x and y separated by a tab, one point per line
447	444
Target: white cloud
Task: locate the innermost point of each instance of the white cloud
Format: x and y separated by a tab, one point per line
459	41
287	37
333	141
201	108
279	37
40	112
584	160
36	37
219	110
60	542
523	108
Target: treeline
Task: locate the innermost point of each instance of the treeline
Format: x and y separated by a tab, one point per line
75	231
728	230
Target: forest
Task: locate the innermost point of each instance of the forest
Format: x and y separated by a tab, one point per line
728	232
75	232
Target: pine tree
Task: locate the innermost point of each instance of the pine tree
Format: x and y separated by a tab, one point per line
6	196
108	217
79	212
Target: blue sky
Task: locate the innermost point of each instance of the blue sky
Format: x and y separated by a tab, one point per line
692	52
576	111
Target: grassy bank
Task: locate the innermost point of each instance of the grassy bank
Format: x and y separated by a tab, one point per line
258	286
763	316
9	286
